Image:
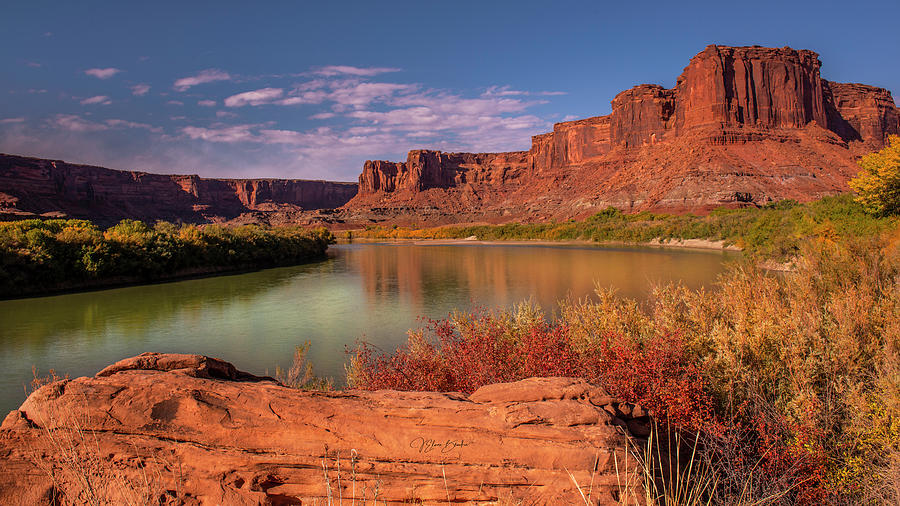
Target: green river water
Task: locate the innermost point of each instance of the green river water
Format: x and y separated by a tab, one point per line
369	291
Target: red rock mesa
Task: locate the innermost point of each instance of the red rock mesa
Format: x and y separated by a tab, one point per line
742	126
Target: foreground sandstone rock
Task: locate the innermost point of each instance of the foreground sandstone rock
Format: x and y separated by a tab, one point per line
188	429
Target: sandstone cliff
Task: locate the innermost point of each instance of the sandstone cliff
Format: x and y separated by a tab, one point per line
188	429
742	126
31	186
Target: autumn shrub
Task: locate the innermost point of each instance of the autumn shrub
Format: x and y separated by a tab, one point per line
878	183
470	350
791	380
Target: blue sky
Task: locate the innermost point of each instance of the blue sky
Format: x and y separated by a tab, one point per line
307	89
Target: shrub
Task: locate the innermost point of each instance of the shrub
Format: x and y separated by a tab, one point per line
878	183
38	255
792	381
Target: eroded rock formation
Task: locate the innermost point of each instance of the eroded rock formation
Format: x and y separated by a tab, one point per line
31	186
742	126
188	429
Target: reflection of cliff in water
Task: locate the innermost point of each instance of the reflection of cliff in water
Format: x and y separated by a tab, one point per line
130	312
491	275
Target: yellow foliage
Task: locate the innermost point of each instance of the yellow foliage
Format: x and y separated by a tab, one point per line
878	183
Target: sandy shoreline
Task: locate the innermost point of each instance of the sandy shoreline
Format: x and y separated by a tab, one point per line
700	244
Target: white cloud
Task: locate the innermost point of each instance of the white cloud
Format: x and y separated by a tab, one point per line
8	121
207	103
120	123
102	73
203	77
336	70
222	133
225	114
139	90
256	97
323	115
97	100
175	102
507	91
305	97
502	91
362	94
75	123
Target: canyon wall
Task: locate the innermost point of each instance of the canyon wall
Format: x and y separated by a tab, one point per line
742	126
34	187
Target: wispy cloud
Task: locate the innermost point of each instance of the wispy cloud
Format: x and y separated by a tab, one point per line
256	97
34	64
120	123
337	70
102	73
222	133
97	100
207	103
139	90
203	77
507	91
323	115
75	123
175	102
9	121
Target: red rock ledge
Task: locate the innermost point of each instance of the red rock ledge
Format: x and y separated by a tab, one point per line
189	429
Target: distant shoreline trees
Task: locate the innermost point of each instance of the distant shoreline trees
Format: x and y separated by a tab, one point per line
39	256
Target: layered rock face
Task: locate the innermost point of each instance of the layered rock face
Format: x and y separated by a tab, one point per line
188	429
31	186
742	126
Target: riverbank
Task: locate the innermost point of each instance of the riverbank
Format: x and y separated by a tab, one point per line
698	244
41	257
773	232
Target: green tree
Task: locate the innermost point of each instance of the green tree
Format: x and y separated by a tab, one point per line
878	183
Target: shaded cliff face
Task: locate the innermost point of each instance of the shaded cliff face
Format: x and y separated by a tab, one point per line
742	126
31	186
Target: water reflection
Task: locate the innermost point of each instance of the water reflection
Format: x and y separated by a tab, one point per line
368	291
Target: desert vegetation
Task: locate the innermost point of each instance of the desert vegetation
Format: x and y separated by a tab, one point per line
789	383
37	256
774	231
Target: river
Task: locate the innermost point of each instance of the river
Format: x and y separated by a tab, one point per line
370	291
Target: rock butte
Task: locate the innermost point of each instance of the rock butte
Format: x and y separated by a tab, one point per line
195	430
742	126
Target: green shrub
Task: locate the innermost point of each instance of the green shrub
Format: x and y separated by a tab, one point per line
41	255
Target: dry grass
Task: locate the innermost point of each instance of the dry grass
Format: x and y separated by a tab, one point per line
80	472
